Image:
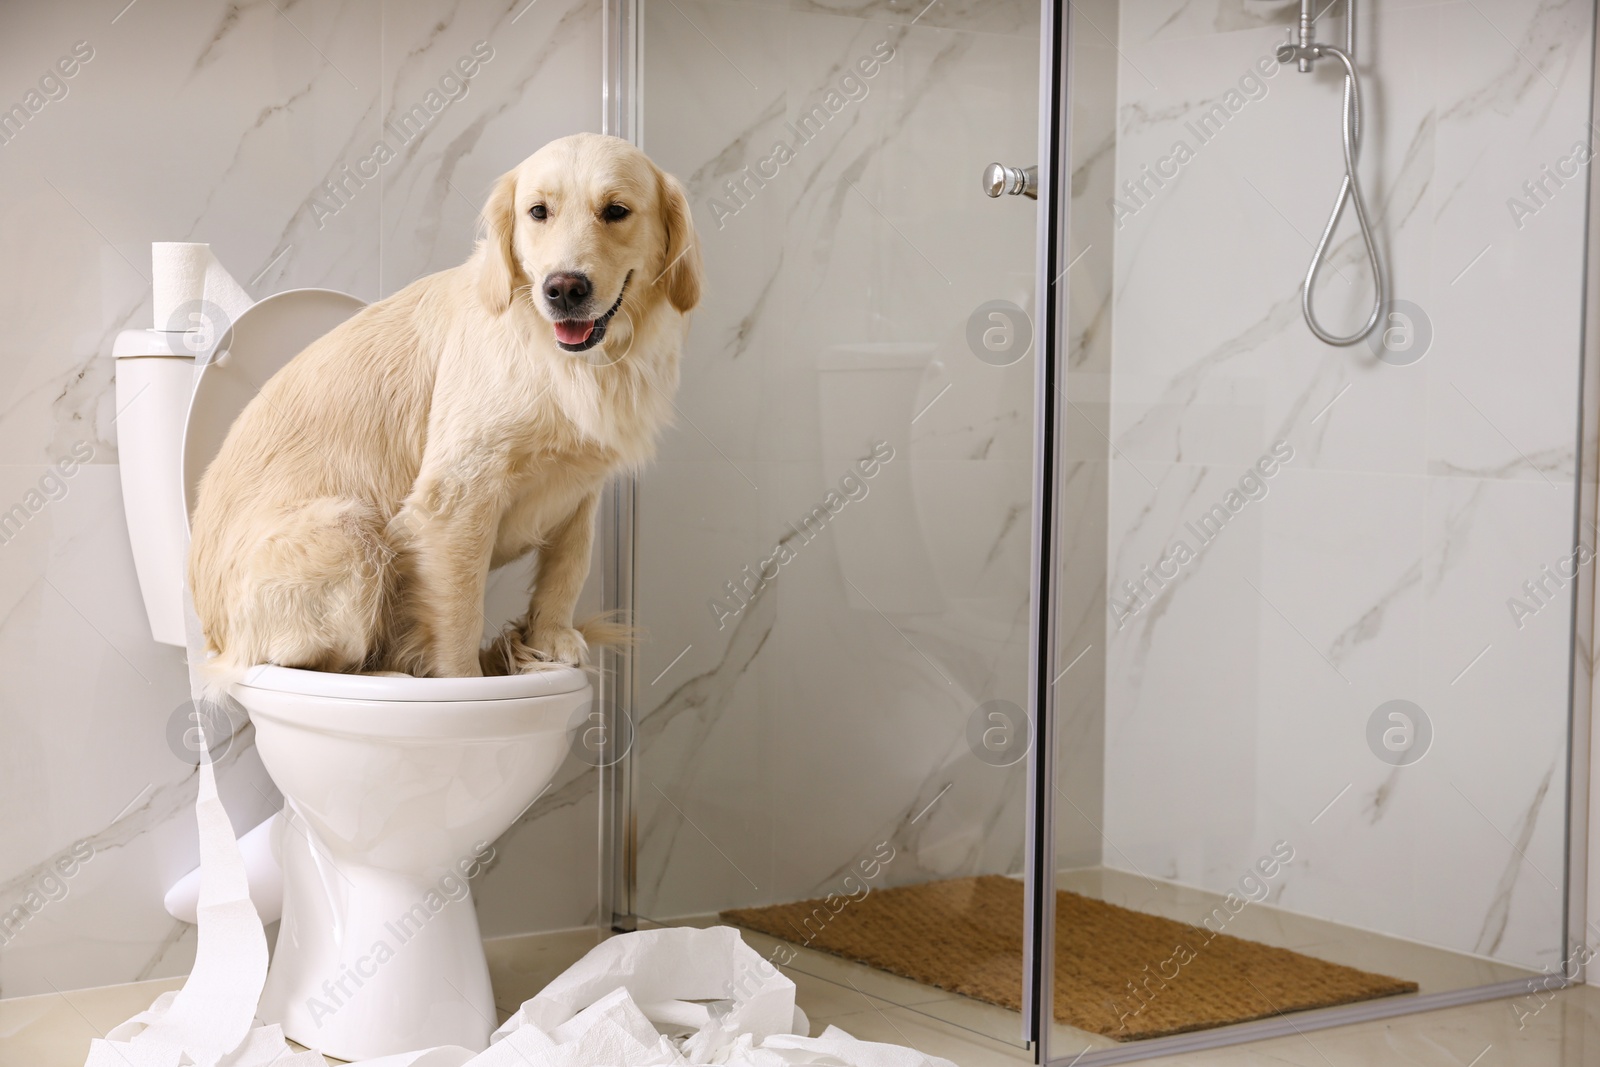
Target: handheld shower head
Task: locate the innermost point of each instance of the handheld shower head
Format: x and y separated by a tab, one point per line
1305	53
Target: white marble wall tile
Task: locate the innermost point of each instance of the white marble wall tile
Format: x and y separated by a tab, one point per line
1085	448
85	710
1181	676
1500	122
215	103
1017	17
813	726
1423	850
543	64
1177	19
1420	498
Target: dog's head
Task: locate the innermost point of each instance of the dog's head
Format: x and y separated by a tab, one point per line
592	234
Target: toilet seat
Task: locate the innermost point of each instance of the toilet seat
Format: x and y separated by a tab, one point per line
549	682
418	710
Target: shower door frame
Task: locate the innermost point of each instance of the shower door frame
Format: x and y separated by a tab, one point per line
616	689
616	694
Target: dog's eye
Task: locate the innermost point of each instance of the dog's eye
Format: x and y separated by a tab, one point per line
615	213
539	211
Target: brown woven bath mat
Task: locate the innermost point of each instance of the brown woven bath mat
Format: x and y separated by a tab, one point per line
1120	973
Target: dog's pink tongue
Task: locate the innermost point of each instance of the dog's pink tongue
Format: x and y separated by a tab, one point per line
574	331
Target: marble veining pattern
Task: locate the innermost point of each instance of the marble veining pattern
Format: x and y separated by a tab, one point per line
1379	562
816	726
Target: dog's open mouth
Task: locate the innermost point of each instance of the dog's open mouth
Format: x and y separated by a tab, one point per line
580	335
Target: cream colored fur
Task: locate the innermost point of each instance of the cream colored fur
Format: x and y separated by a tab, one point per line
351	517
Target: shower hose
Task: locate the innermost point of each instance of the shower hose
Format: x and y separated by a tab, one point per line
1349	190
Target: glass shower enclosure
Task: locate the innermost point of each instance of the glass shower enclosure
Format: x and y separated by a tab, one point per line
1042	625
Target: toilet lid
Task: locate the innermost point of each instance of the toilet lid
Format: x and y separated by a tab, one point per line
265	337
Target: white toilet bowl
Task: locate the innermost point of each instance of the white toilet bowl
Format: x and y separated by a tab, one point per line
394	788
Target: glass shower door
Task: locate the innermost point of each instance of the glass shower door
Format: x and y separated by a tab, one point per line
832	551
1313	703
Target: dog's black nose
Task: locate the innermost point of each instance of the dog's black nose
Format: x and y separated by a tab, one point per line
566	291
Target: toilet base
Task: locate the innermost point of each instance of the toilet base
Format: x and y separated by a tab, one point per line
372	962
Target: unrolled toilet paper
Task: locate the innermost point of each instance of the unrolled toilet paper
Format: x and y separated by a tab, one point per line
261	870
210	1022
192	291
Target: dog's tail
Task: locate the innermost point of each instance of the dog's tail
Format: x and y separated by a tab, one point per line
217	675
608	630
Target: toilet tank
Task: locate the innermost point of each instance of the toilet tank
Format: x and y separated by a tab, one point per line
155	376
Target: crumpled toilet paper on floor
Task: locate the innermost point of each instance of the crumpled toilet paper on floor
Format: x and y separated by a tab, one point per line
677	996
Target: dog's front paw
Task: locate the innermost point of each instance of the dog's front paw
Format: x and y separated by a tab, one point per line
517	651
559	644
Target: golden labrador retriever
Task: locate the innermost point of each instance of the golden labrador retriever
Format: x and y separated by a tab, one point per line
351	517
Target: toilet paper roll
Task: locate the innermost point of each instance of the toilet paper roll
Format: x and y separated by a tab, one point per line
192	291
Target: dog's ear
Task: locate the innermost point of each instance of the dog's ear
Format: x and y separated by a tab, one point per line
681	268
500	274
